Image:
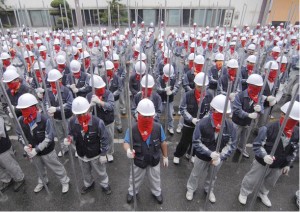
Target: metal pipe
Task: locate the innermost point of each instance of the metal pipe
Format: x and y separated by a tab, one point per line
62	17
65	6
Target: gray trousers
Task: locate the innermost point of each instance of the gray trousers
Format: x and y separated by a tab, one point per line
201	167
117	114
99	169
9	167
242	131
153	177
170	114
110	129
251	179
51	161
122	101
60	134
180	122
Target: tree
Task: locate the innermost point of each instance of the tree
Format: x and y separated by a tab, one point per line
4	12
59	20
114	13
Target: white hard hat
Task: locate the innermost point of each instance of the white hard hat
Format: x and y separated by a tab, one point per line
74	50
26	100
140	67
146	107
109	65
251	59
98	82
199	59
36	65
218	103
274	65
84	54
42	48
80	105
199	79
61	59
104	49
5	56
26	54
233	63
10	74
295	112
39	41
219	56
75	66
115	57
255	79
283	60
251	47
54	75
79	45
168	71
90	40
150	81
276	49
142	56
56	42
191	56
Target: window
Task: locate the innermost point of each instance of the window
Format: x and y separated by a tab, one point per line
199	17
149	16
37	18
173	18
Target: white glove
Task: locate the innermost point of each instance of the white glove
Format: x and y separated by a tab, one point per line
252	115
168	88
214	155
32	153
169	92
130	153
74	89
257	108
269	159
29	80
10	115
39	90
285	170
195	120
51	111
216	162
27	149
95	99
103	159
272	103
166	161
232	96
67	141
270	98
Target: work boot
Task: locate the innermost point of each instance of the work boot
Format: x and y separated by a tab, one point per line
107	190
4	186
129	198
159	199
176	160
212	197
38	188
110	158
189	195
65	188
178	130
246	154
171	131
264	198
242	199
18	185
85	189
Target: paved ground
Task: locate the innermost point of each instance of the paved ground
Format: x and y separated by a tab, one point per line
174	179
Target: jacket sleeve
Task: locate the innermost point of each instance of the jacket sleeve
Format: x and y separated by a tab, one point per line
48	137
231	144
183	109
199	147
237	108
259	142
110	103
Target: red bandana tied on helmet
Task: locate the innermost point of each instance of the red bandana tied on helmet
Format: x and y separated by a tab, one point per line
43	54
192	49
283	67
13	86
145	125
275	55
39	76
198	68
250	68
6	62
100	92
149	92
137	77
191	64
83	120
56	48
53	87
61	67
87	62
232	73
165	78
272	75
29	114
217	118
116	65
253	92
135	54
197	95
289	127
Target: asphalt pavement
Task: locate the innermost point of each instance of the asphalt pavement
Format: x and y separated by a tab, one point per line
173	178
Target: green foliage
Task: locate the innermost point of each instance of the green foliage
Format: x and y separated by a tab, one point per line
56	4
114	13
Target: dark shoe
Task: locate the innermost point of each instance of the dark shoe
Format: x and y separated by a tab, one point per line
18	185
123	112
107	190
129	198
4	186
159	199
85	189
119	129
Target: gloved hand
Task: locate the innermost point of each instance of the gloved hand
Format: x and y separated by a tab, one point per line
10	113
270	98
95	99
195	120
257	108
169	92
232	96
67	141
29	80
285	170
51	111
272	103
166	161
32	153
168	88
269	159
130	153
103	159
252	115
214	155
28	148
39	90
216	162
74	89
